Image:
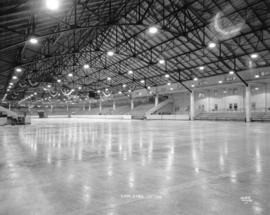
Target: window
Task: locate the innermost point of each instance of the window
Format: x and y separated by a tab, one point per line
235	106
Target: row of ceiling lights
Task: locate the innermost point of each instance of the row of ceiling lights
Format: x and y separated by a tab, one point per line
130	72
54	5
28	97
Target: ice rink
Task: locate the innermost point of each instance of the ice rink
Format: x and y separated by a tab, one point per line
98	167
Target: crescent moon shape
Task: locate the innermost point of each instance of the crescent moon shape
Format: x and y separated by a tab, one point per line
227	31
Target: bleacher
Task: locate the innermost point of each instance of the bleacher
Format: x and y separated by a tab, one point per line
8	117
121	110
139	111
222	116
260	116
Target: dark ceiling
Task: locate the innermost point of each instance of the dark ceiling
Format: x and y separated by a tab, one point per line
83	31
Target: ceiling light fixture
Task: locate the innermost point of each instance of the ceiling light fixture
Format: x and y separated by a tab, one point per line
110	53
86	66
167	76
212	45
254	56
161	61
130	72
14	77
231	72
33	40
52	4
18	69
201	68
195	79
153	30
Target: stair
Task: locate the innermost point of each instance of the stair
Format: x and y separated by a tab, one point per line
158	107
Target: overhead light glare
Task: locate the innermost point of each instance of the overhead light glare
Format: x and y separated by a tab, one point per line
52	4
161	61
212	45
86	66
167	76
153	30
201	68
231	72
33	40
14	77
18	69
110	53
130	72
254	56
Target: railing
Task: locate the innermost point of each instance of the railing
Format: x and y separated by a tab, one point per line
260	110
240	110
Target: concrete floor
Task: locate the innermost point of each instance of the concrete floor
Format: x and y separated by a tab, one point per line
69	166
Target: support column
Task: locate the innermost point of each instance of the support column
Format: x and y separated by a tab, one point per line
89	108
192	105
67	106
131	104
156	100
247	104
51	108
265	94
9	106
114	106
100	106
83	106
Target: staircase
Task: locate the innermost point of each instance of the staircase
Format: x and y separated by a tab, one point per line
221	116
261	116
159	106
8	117
9	113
